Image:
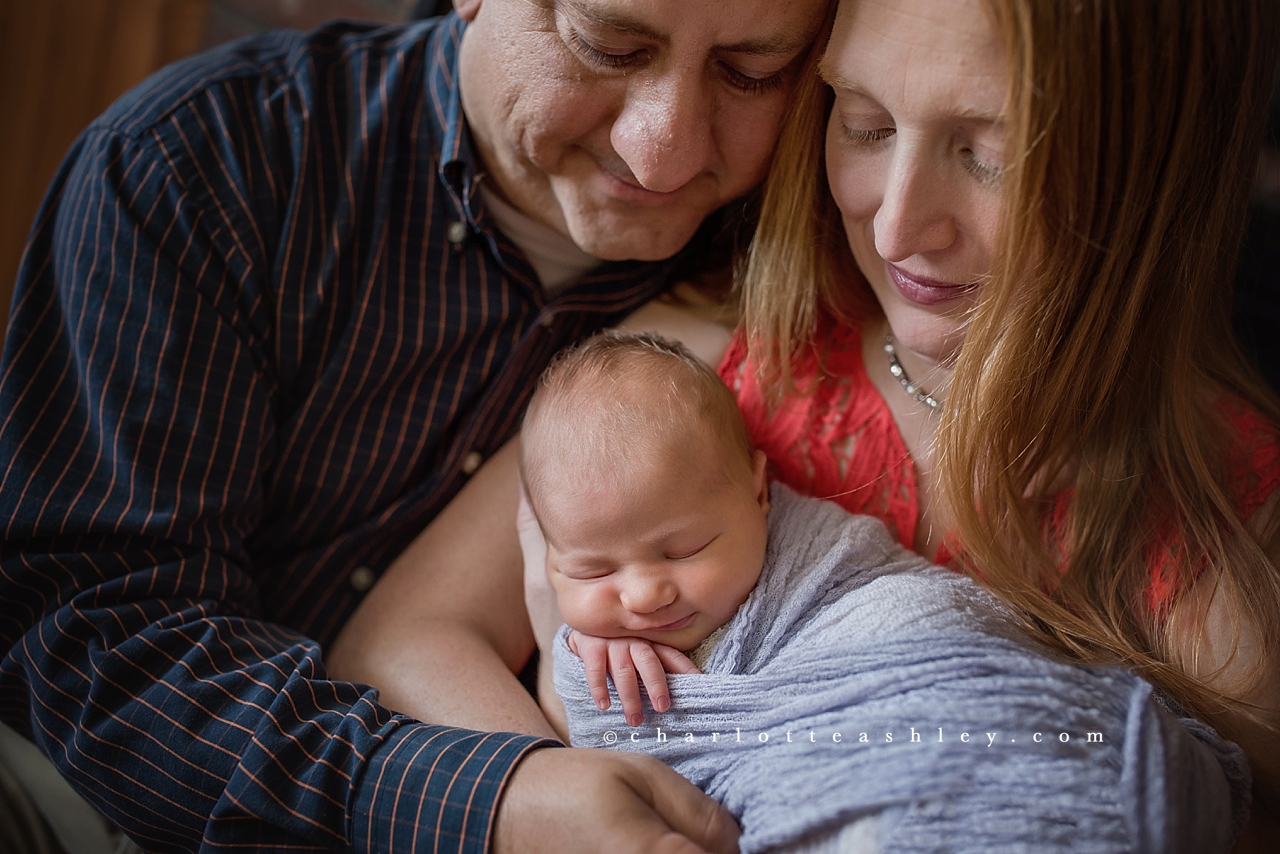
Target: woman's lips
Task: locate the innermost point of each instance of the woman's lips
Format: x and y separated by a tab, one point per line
924	291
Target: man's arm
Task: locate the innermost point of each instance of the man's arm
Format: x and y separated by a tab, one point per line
137	416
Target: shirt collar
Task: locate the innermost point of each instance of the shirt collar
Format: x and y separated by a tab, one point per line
458	161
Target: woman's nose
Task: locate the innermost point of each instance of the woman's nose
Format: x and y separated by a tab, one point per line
913	217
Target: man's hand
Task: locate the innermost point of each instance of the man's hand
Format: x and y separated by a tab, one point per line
568	800
624	659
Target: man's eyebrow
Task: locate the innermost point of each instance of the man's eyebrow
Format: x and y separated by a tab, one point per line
616	20
775	44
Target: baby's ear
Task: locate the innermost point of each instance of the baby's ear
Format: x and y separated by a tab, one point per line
760	480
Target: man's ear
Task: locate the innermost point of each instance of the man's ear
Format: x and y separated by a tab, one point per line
466	9
760	479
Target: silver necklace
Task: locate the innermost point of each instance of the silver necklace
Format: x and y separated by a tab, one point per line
895	368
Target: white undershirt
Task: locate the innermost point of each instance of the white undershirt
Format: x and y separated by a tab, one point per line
555	258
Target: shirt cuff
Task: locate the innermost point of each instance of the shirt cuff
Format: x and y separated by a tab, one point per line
435	789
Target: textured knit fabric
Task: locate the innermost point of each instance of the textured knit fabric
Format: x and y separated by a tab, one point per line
261	331
843	687
839	441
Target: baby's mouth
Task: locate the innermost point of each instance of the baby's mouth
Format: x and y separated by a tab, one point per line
672	626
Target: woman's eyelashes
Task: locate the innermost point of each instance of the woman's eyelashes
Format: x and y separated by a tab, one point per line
984	167
984	172
621	60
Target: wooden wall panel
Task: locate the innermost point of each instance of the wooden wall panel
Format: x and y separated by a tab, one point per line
233	19
305	14
62	62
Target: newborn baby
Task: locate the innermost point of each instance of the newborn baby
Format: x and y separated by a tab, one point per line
855	698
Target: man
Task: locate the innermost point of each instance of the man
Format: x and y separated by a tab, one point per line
281	302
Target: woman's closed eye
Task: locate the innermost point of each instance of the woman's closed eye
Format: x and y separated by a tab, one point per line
980	167
979	163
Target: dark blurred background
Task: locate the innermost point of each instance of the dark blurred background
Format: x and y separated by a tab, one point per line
62	62
1257	318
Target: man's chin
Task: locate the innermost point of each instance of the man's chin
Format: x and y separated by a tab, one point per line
611	239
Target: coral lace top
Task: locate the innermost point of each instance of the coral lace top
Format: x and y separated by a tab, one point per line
840	442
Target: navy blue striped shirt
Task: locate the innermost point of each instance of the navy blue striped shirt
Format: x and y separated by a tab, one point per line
261	322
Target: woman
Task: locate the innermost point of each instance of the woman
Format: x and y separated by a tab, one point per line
1010	339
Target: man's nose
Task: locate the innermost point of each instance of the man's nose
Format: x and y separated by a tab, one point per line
664	131
913	216
646	594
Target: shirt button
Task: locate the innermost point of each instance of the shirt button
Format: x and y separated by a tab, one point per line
362	579
457	232
471	462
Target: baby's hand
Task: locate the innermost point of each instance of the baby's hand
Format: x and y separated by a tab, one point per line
623	658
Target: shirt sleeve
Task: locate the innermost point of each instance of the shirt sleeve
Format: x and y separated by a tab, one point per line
137	408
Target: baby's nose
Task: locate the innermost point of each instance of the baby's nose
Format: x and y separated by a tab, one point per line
646	595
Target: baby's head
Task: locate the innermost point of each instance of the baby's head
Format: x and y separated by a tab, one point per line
643	477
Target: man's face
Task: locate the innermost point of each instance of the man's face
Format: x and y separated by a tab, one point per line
624	123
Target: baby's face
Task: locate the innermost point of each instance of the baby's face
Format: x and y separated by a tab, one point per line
668	556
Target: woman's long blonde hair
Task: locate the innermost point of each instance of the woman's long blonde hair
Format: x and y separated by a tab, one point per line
1101	345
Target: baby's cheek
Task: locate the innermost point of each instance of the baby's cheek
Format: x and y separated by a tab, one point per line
724	600
585	611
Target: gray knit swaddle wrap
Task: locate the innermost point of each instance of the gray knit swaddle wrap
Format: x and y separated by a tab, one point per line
847	632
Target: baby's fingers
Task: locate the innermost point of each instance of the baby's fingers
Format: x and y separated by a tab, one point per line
594	653
624	679
673	660
651	673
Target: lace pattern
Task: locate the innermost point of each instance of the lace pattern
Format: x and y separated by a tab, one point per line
840	442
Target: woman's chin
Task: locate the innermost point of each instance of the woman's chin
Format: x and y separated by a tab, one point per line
935	343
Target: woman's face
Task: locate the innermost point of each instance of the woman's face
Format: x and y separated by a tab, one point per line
915	149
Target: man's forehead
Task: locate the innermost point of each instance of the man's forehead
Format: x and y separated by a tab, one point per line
740	32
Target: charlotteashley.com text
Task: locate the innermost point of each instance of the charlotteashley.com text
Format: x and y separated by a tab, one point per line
934	735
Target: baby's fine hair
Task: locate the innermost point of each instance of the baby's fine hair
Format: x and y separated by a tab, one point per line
617	399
